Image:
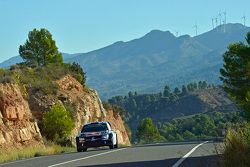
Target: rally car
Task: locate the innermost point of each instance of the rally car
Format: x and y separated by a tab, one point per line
96	134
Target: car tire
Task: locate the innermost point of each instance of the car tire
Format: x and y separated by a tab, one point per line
112	146
81	150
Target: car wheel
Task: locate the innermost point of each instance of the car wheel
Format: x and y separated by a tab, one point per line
112	146
84	149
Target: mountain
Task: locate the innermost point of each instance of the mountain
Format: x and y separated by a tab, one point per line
18	59
159	58
11	61
148	63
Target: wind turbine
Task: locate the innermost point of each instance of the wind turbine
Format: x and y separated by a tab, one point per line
225	20
216	21
213	23
220	17
244	19
176	33
196	28
225	17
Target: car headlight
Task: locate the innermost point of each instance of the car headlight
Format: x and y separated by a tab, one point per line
105	136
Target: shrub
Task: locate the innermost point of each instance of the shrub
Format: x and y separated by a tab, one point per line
78	72
237	147
57	124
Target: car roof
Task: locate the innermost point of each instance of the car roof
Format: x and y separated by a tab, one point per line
93	123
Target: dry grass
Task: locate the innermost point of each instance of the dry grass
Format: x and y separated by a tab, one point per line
33	151
237	148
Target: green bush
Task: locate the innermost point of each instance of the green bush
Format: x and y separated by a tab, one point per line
57	124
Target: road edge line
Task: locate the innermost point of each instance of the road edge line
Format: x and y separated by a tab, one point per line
187	155
91	156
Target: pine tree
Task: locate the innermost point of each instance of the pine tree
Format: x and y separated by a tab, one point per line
40	49
236	72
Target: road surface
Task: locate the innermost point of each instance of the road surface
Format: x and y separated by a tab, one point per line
158	155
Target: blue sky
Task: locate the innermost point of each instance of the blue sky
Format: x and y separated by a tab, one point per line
84	25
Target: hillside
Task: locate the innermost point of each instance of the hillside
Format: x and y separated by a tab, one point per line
169	105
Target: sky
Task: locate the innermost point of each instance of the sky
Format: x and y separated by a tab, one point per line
80	26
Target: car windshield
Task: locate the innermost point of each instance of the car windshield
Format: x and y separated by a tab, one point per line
94	128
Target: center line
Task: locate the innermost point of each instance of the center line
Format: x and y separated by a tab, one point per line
66	162
187	155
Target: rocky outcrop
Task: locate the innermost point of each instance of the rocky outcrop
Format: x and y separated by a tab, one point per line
18	128
88	107
118	125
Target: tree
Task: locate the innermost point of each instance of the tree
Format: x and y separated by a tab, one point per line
147	132
167	91
57	123
177	91
79	73
188	135
130	94
204	85
40	49
235	73
184	90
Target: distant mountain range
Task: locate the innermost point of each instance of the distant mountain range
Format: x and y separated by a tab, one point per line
156	59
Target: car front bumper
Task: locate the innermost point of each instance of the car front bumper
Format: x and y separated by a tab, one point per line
93	143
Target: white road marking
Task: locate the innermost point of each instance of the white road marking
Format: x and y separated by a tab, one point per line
66	162
187	155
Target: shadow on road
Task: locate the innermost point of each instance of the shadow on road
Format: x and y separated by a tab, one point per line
206	161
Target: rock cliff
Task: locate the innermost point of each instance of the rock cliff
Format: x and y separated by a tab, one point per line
88	107
18	128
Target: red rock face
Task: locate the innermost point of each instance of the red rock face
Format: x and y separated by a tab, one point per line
89	108
117	125
17	126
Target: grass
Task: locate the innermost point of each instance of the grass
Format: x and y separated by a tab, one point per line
237	147
33	151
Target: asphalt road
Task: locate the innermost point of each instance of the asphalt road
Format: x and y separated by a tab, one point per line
159	155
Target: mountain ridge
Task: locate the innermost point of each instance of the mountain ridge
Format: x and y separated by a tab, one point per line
158	58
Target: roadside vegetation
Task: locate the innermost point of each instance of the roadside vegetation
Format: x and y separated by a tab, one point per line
33	151
57	125
198	127
235	75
